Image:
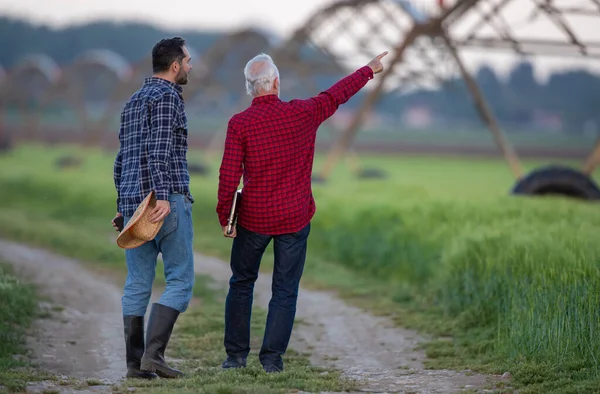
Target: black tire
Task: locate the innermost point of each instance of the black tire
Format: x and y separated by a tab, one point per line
6	144
557	180
371	173
318	179
65	162
198	168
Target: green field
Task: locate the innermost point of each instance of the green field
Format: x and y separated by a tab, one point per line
439	246
206	125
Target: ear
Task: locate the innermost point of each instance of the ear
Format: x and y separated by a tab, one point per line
276	83
175	67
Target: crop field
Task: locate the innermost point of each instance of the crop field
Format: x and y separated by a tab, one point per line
390	137
501	283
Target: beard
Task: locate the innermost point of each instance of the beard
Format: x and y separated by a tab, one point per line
181	78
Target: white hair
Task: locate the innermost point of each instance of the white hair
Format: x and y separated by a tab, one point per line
260	73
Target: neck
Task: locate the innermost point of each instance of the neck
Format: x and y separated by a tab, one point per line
272	91
164	76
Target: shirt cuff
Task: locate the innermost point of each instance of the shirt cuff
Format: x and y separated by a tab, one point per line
366	71
162	194
223	222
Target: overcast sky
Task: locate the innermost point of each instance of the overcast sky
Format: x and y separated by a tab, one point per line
280	16
198	14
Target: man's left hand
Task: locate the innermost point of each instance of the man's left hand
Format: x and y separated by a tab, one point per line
233	232
376	64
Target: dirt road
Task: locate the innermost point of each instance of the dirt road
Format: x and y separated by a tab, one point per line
365	347
83	337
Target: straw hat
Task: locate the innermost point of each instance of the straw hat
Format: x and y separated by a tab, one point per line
139	230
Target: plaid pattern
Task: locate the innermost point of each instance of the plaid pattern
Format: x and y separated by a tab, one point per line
153	145
272	144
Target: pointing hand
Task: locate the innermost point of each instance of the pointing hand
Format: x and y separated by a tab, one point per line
376	65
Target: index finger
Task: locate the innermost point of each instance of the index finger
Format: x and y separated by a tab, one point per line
381	55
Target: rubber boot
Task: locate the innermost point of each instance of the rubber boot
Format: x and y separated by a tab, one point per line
160	326
134	347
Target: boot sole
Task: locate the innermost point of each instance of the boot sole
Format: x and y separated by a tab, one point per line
161	371
147	377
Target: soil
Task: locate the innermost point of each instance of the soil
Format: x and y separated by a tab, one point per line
82	336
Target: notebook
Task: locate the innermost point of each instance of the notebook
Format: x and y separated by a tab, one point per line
234	211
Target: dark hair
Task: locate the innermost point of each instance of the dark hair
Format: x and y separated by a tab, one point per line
165	52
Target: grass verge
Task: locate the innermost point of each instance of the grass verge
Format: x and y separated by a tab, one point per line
17	309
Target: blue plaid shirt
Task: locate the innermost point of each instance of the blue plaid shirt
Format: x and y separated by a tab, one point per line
153	146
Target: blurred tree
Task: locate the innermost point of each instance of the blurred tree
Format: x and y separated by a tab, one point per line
133	41
571	95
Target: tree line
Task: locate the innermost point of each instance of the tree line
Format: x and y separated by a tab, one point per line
571	96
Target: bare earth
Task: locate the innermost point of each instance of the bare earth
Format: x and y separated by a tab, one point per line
83	337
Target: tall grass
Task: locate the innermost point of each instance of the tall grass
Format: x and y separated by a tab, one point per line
528	268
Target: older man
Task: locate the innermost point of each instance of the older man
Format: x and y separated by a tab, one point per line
152	157
272	145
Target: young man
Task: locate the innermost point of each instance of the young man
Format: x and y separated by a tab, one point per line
272	144
152	157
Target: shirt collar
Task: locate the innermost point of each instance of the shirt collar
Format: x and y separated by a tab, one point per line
157	80
265	99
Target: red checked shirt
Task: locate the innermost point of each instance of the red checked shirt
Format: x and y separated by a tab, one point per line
272	144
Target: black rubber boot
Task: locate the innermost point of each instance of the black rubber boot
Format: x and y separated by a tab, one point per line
134	347
160	326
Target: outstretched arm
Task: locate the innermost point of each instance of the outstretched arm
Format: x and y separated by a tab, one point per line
326	103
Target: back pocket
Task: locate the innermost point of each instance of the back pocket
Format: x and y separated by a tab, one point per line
170	222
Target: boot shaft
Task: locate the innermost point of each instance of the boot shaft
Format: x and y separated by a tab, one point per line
160	326
133	327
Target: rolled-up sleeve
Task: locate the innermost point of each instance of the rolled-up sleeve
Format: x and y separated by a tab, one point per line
162	116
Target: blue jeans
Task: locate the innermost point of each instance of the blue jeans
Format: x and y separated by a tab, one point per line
174	242
246	254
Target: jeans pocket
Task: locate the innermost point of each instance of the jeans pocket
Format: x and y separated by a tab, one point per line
187	205
170	222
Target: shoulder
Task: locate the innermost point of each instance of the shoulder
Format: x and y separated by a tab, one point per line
153	92
165	100
299	105
164	94
237	121
242	117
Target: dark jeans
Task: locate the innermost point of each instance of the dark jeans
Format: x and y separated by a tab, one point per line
246	254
